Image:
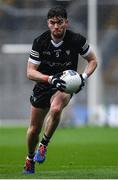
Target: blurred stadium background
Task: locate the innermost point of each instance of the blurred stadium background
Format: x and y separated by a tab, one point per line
20	22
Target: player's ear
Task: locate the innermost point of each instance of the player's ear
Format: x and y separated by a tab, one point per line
67	23
48	23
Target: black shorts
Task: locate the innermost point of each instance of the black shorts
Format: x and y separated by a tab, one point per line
42	94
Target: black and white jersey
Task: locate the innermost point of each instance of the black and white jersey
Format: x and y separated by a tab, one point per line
53	58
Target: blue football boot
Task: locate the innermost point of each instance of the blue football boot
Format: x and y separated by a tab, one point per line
40	154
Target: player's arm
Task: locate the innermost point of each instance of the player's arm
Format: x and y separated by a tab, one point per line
32	69
92	63
87	53
34	62
34	74
90	68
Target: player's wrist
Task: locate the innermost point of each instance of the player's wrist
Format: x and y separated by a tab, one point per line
45	78
50	79
84	76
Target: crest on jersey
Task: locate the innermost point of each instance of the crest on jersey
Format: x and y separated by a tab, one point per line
68	52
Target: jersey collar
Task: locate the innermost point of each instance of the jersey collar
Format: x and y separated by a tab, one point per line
57	44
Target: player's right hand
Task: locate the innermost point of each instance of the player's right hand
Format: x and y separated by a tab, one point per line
57	82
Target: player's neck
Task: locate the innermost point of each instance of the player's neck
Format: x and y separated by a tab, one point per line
57	40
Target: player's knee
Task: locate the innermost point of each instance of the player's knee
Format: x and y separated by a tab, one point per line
55	110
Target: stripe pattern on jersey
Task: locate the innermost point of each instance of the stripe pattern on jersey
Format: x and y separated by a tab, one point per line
34	61
85	49
88	51
34	57
34	54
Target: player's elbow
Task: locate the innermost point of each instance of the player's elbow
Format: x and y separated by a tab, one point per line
29	75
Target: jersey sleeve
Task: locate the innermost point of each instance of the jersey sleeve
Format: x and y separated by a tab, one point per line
34	54
84	47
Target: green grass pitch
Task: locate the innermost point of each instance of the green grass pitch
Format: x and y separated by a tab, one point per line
74	153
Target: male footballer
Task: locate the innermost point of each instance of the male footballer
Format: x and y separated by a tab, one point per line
53	52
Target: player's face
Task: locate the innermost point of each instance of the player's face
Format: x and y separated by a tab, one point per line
57	26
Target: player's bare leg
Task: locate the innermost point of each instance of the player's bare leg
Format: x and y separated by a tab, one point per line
58	101
36	122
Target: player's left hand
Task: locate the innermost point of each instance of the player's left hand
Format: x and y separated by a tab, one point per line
82	84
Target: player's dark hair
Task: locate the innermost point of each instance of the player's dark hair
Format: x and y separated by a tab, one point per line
58	11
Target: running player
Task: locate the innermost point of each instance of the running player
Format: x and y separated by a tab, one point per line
52	52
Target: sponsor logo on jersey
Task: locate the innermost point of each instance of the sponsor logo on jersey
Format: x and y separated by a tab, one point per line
57	64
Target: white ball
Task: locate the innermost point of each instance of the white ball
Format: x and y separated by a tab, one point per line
72	79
